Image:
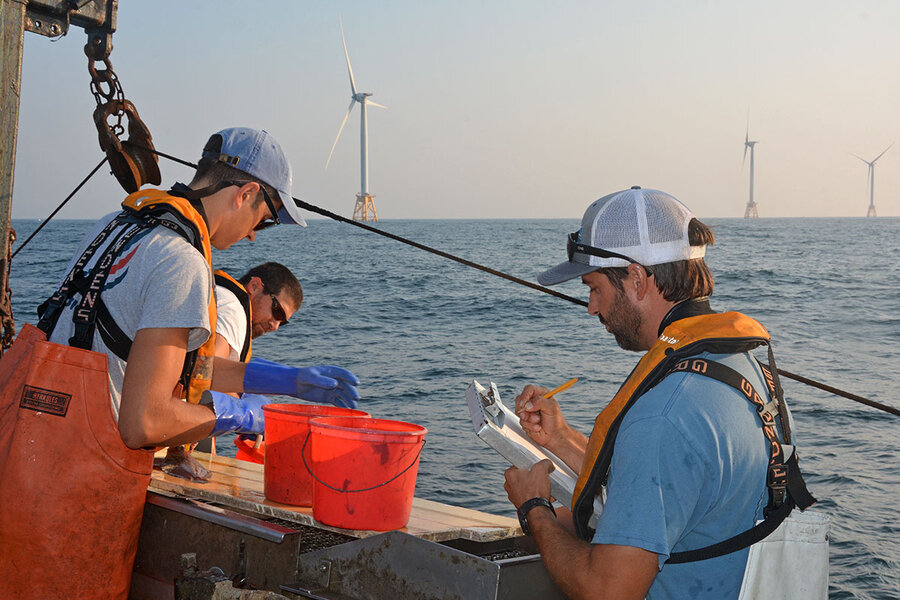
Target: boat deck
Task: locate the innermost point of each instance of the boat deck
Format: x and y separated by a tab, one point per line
238	485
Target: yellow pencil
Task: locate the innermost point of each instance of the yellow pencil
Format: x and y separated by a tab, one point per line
561	388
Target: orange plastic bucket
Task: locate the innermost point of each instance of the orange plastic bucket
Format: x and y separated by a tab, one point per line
249	451
364	471
287	426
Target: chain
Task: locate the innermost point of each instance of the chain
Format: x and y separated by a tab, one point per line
105	84
8	323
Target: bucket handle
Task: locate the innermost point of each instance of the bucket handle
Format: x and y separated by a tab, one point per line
313	475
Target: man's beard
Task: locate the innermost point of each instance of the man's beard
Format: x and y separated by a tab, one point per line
624	323
256	330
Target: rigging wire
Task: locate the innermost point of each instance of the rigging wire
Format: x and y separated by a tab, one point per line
331	215
58	208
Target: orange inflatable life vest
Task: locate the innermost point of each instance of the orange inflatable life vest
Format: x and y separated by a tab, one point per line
71	493
157	202
729	332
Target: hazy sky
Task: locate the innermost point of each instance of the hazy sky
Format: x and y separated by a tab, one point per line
520	109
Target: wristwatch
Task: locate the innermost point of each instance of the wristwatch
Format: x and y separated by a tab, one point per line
523	510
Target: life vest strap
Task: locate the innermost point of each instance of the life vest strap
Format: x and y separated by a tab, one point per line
784	479
240	292
92	313
85	315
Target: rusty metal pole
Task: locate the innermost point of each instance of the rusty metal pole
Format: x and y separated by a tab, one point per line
12	32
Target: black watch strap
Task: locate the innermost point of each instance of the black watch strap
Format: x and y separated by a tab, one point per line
522	512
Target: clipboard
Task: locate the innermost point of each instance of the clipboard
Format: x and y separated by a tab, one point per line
498	426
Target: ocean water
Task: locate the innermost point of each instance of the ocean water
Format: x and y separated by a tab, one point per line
417	328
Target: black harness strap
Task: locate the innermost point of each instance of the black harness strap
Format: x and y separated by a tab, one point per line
75	281
783	478
92	314
85	316
244	298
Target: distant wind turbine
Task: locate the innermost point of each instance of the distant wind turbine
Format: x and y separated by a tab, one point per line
750	211
365	205
870	179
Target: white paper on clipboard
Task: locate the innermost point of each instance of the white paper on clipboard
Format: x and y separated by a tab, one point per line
499	428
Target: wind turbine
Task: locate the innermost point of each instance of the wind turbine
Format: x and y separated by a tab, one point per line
750	211
870	180
365	205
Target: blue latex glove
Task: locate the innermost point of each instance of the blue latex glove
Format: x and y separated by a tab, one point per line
324	384
240	415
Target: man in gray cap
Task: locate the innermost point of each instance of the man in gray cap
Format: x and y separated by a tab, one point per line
687	454
137	306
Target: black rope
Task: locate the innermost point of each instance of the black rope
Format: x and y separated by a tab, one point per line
837	392
58	208
327	213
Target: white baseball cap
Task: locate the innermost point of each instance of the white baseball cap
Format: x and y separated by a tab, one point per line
647	227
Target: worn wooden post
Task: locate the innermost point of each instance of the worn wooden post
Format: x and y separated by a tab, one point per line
12	31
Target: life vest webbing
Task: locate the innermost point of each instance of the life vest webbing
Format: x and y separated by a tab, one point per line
92	311
235	287
75	281
787	488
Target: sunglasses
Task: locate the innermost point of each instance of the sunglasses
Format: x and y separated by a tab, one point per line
573	246
266	222
277	309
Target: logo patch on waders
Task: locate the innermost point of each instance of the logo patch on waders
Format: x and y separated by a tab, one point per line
48	401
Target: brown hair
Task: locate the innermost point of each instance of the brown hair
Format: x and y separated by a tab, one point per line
680	280
276	277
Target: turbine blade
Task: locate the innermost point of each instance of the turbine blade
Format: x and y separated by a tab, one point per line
743	162
882	153
347	56
747	135
340	129
370	103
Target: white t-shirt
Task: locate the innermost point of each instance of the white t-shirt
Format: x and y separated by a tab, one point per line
158	280
231	320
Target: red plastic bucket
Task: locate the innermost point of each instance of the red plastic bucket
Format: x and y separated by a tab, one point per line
287	427
364	470
249	451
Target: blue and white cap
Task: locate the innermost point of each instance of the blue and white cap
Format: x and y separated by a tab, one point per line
257	153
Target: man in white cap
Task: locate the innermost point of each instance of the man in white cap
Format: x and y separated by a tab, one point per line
137	308
688	454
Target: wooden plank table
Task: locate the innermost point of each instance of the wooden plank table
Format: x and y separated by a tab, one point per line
238	484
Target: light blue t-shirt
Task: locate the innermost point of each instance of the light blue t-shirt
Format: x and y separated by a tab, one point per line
689	470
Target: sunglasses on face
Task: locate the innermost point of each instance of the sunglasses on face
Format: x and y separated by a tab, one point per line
272	211
573	246
277	310
267	221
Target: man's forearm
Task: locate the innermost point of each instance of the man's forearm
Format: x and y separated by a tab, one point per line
564	555
595	571
570	448
228	375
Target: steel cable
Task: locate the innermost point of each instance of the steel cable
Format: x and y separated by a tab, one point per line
331	215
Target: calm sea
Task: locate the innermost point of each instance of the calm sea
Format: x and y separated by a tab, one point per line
417	329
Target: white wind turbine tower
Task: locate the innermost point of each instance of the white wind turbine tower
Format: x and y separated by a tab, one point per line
870	180
750	211
365	205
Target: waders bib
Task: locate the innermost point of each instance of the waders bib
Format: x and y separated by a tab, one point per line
71	493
